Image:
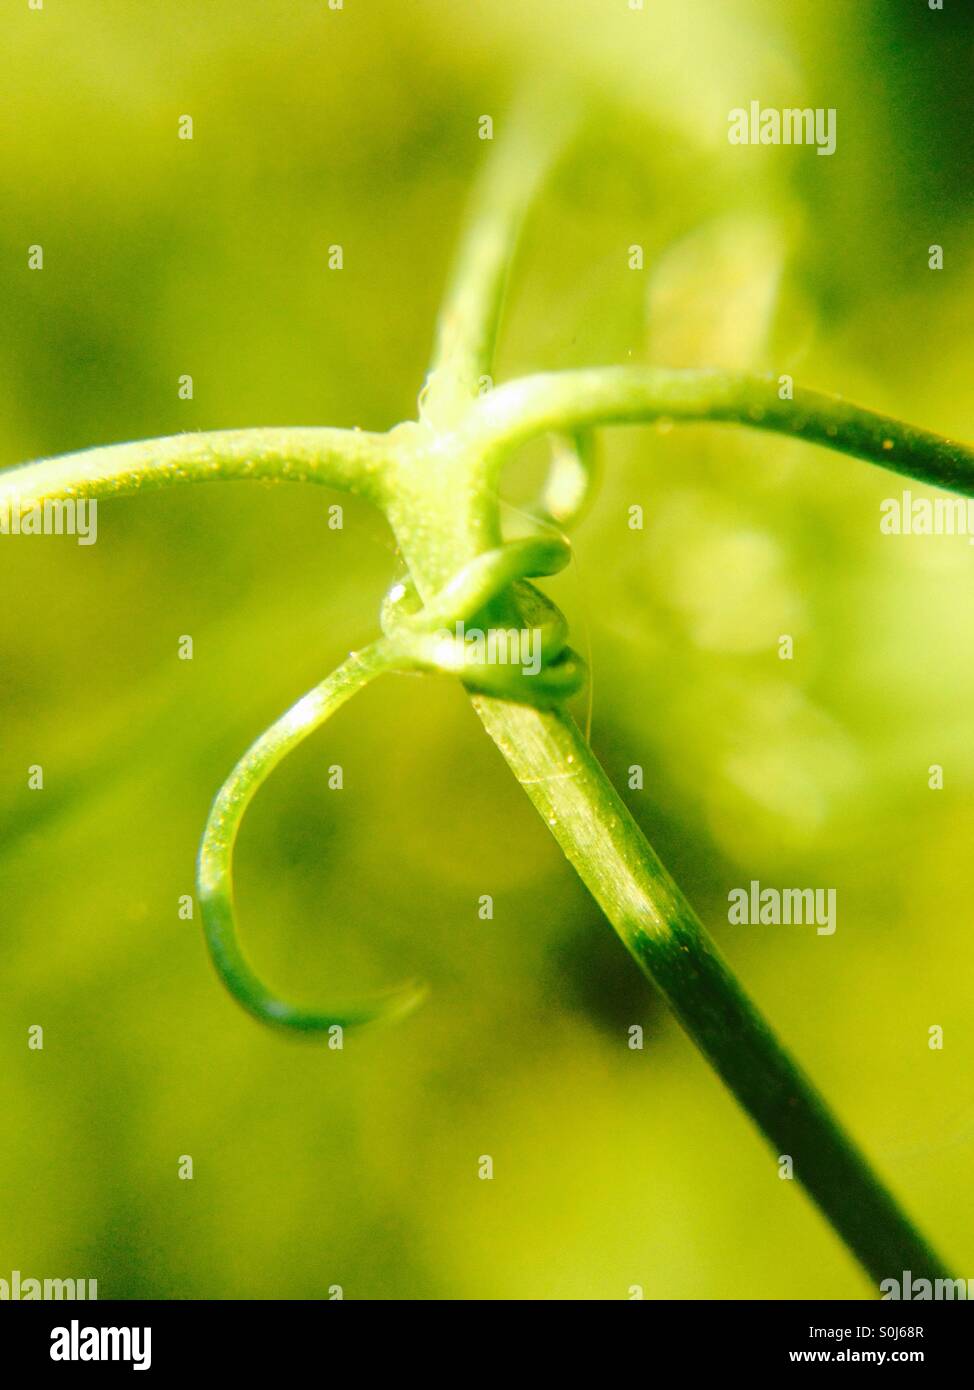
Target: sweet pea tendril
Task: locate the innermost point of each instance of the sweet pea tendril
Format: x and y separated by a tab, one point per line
415	638
436	481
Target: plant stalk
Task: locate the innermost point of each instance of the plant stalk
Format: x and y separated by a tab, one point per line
597	834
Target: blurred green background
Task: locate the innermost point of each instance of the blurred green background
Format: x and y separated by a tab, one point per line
613	1167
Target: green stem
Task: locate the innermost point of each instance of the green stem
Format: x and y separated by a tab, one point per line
660	929
599	837
571	400
349	460
466	329
601	840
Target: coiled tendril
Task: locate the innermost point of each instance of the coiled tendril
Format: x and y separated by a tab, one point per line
434	637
